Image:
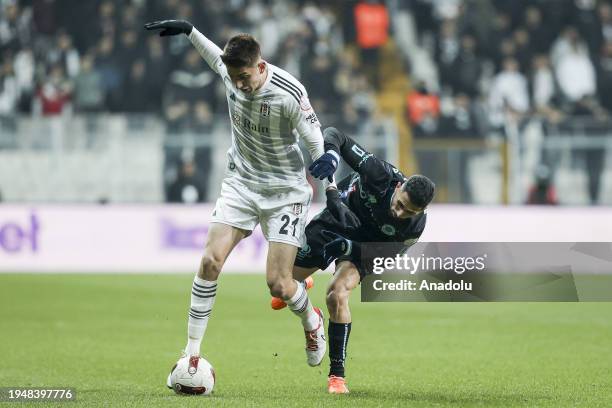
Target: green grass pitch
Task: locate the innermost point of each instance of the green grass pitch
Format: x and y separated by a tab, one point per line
115	337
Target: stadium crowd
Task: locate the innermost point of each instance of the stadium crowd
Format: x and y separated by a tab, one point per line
95	56
508	62
474	64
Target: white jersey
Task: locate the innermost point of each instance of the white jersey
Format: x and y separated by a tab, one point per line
266	124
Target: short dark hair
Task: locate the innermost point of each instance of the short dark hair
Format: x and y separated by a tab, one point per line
241	50
420	189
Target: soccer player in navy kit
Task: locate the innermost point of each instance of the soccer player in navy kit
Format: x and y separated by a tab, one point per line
390	209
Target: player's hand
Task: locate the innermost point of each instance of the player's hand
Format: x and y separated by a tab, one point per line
340	211
170	27
325	166
336	247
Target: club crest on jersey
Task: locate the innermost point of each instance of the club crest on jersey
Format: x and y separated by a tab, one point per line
264	109
388	229
297	208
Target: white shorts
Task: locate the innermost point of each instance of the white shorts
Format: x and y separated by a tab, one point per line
281	212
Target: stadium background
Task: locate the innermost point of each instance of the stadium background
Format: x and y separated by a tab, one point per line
489	98
501	103
112	148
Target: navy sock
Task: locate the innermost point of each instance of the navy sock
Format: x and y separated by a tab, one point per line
338	334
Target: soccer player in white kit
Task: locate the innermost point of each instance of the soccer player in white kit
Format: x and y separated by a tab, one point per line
265	180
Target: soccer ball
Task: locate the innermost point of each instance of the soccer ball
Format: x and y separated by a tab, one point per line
200	382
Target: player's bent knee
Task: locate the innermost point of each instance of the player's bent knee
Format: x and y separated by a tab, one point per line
210	267
337	299
280	288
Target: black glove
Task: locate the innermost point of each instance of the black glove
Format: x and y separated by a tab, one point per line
340	211
324	166
170	27
336	246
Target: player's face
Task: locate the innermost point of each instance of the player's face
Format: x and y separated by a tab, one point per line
248	79
401	207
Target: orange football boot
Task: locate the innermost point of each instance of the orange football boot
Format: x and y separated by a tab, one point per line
336	385
278	303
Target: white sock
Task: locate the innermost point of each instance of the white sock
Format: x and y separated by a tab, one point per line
203	295
300	305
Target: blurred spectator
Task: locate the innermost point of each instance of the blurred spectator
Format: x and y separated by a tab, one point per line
291	54
189	186
467	68
460	121
502	25
539	34
135	92
604	76
447	9
64	54
594	159
106	20
584	16
53	96
447	51
176	113
188	110
25	65
524	50
362	97
350	118
508	94
192	82
544	90
268	28
603	26
575	72
129	48
372	24
543	191
157	70
14	26
88	87
568	40
9	88
106	64
423	110
506	50
321	77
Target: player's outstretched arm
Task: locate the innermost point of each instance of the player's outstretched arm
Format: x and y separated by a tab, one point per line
207	49
372	170
170	27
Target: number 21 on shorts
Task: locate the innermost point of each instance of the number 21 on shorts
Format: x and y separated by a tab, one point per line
288	224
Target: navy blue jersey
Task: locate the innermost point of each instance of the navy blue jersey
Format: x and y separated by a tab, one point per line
368	192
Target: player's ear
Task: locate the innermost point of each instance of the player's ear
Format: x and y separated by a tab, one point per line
261	67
